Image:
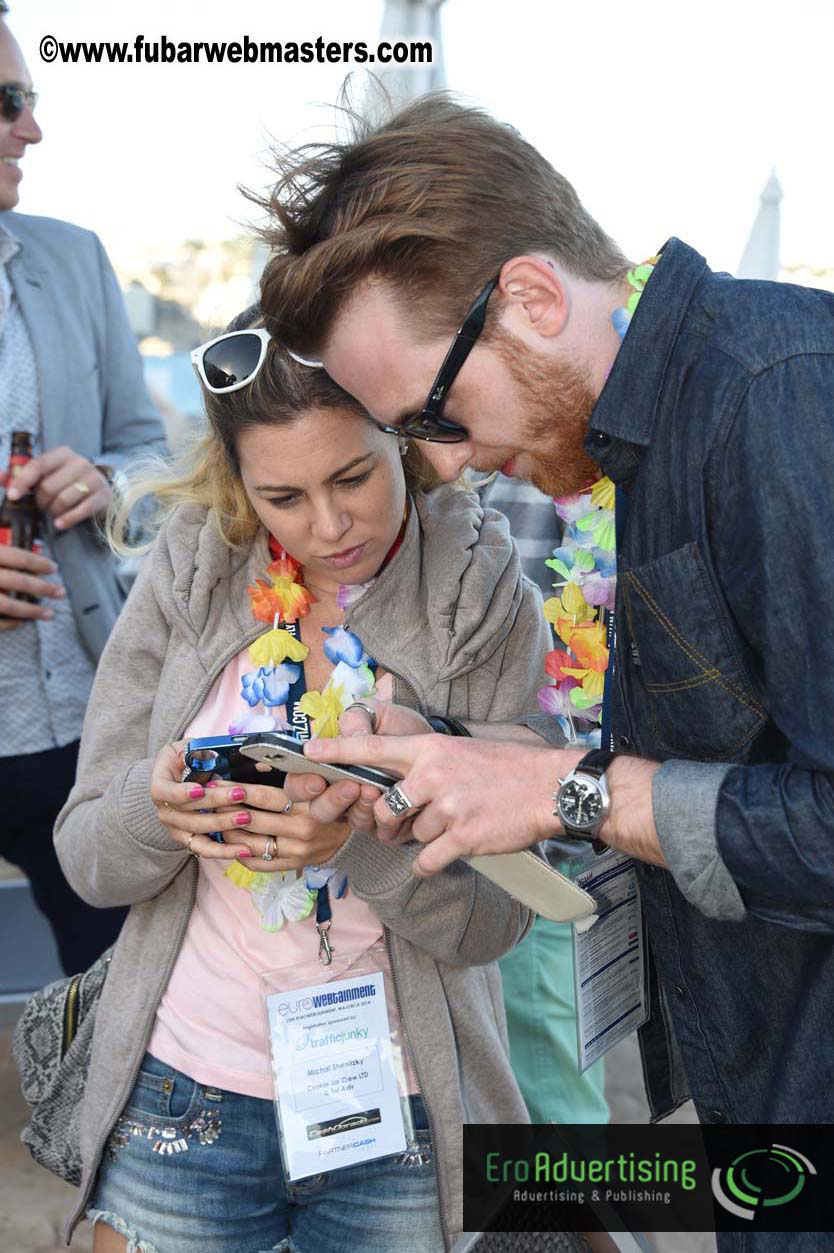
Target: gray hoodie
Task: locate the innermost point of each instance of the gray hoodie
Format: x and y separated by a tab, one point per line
462	632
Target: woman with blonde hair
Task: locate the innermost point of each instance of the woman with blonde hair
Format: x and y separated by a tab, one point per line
300	565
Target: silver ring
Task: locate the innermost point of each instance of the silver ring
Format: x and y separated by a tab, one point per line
397	801
369	709
287	808
271	849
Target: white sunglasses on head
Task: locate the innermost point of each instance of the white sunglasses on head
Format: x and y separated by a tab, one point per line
230	361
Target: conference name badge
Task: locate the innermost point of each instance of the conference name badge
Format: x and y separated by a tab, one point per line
337	1094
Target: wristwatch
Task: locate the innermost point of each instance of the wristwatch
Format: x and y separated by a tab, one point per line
581	801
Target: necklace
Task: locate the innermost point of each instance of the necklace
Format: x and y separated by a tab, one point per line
280	599
586	563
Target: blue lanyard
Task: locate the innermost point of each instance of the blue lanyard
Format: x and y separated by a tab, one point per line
300	722
607	732
295	714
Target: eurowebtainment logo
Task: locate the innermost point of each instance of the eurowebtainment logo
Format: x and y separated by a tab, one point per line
762	1177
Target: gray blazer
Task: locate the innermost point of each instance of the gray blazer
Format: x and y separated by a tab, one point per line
92	390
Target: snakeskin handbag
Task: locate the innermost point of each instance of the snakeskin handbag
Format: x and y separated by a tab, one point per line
51	1048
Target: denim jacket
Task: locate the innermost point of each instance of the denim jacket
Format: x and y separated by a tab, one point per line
718	421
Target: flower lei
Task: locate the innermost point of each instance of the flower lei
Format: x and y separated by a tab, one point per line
586	563
282	598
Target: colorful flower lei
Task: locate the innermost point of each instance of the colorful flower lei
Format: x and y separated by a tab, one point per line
281	896
586	563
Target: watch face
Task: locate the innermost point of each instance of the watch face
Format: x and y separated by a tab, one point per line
580	803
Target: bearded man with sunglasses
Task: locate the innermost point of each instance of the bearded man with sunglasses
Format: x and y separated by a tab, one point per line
710	404
70	376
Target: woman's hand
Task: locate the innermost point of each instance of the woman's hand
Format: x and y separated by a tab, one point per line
253	819
179	806
297	838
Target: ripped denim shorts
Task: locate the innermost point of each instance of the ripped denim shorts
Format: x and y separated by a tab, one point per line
194	1169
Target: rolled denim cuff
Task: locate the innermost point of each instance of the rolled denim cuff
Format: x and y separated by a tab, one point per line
544	726
685	804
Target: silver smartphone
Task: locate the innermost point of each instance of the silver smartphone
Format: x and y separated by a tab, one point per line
286	754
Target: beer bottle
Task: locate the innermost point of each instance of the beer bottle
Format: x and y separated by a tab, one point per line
20	519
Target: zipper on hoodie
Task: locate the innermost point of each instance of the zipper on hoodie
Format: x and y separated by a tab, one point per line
128	1087
435	1157
398	679
399	684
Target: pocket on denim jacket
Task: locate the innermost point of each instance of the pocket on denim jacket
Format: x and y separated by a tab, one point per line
682	661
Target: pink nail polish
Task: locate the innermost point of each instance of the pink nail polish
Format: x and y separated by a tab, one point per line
245	852
212	783
243	820
237	794
196	792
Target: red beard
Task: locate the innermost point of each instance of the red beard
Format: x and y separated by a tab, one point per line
557	401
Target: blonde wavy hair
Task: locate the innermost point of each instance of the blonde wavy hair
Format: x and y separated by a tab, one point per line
205	470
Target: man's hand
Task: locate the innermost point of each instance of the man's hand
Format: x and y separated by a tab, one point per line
471	797
468	796
22	571
67	486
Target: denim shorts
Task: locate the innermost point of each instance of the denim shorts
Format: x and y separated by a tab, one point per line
195	1169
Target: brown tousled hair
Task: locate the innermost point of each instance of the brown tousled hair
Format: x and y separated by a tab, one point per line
207	472
434	201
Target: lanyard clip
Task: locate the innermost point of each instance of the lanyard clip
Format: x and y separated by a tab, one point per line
325	950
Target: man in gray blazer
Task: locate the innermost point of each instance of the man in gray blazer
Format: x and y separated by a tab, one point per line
70	375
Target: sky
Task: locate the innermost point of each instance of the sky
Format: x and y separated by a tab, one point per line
668	118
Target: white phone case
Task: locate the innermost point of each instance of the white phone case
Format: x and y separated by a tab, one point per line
538	886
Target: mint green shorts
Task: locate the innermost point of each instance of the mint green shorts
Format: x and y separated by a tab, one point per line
541	1019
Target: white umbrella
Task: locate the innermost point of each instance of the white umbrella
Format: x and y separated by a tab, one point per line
760	258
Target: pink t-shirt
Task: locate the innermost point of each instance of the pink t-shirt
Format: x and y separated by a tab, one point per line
211	1021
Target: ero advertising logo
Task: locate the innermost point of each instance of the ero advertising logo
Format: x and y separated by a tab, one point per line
629	1177
761	1178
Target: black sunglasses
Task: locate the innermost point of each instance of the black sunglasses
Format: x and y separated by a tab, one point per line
13	100
428	424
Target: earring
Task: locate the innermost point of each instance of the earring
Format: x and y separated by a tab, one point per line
403	443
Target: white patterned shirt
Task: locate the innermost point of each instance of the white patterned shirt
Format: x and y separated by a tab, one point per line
45	672
534	525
